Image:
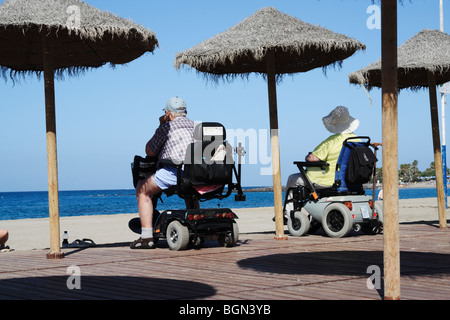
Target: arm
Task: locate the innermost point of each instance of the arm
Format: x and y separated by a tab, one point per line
149	151
154	145
320	153
311	158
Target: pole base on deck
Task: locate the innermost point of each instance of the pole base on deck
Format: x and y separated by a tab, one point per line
55	255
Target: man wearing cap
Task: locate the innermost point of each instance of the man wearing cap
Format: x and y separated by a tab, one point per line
341	125
169	142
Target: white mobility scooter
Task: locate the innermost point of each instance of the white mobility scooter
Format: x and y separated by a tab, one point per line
206	173
342	207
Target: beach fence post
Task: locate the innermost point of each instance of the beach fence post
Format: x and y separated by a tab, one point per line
389	79
52	164
444	145
437	150
275	146
444	149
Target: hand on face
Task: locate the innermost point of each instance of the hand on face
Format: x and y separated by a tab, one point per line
164	118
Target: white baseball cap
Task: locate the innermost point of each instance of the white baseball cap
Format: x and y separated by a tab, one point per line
176	104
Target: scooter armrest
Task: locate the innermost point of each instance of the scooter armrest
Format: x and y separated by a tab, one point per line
307	164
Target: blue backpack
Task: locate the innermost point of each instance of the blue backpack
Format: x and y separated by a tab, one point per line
355	165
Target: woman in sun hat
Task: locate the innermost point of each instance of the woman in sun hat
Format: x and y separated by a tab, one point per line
341	125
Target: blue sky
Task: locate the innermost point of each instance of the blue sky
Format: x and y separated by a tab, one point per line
106	116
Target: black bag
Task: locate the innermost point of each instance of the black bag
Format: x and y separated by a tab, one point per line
142	168
360	165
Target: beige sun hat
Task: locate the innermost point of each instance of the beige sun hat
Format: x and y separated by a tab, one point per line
340	121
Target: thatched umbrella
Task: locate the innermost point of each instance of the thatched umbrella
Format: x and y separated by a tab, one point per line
58	37
423	62
273	44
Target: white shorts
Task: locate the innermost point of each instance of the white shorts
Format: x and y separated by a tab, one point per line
166	177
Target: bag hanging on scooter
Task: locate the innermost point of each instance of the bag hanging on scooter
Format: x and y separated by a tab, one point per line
142	168
360	165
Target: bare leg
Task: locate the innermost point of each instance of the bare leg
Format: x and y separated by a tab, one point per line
144	190
3	237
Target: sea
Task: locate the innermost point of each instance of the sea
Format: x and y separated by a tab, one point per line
33	205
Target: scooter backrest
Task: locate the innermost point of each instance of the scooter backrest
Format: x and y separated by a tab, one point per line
209	160
209	131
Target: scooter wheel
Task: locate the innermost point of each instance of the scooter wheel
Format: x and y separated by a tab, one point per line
177	236
298	226
378	227
231	238
337	220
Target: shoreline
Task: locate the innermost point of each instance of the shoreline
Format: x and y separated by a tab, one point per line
367	186
33	234
420	185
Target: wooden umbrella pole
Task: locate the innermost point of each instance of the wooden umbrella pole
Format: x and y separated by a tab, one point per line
52	165
389	78
275	147
437	151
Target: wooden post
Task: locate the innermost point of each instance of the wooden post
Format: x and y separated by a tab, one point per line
275	147
437	151
52	165
389	79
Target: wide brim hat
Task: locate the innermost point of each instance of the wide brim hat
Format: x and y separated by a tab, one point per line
340	121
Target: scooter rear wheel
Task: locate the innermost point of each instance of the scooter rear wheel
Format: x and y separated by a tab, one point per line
230	239
377	227
337	220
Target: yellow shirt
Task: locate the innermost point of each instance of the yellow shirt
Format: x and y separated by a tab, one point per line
328	151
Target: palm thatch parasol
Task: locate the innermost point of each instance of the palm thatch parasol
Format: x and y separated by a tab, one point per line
423	62
78	37
273	44
58	37
244	48
427	51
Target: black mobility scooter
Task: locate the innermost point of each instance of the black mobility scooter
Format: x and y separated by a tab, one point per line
342	207
207	173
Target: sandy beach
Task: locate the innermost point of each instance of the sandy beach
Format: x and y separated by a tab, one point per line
31	234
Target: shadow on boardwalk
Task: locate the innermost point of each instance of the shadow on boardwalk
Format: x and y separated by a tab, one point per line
347	263
102	287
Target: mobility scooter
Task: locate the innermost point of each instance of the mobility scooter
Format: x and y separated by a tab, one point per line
206	173
342	207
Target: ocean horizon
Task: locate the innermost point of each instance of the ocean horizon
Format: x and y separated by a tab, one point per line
34	204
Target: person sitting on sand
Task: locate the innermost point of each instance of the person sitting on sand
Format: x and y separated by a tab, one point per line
169	142
341	125
3	238
380	195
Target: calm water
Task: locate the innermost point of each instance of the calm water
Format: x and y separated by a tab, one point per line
29	205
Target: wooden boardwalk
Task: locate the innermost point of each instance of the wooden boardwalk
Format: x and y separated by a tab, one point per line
259	268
